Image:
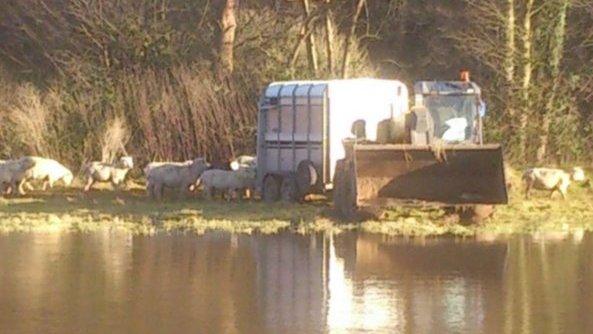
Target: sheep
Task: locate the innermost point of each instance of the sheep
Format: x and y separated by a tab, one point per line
13	172
551	179
179	176
243	161
227	181
152	165
221	164
49	171
105	172
4	188
7	189
578	174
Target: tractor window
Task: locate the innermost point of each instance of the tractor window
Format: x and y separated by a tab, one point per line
453	116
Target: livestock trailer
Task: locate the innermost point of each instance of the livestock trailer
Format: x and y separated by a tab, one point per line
301	125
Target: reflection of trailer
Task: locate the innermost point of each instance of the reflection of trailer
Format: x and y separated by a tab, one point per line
302	125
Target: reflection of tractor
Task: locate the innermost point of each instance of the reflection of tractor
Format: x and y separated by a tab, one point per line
359	134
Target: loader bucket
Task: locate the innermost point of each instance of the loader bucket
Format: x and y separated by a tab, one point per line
449	175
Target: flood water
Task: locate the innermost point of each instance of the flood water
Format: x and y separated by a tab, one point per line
110	282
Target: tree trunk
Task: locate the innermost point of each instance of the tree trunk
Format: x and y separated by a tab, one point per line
556	49
544	134
527	73
329	30
295	52
349	36
303	36
509	62
228	25
310	40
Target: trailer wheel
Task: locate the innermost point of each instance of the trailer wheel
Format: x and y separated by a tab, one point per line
345	189
306	177
271	188
289	191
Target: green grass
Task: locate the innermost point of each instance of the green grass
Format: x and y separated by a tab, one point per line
71	210
541	214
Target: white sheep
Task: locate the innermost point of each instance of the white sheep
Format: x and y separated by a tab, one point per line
152	165
243	161
551	179
49	171
578	174
228	182
180	176
4	186
12	174
105	172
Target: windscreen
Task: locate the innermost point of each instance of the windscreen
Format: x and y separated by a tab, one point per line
453	116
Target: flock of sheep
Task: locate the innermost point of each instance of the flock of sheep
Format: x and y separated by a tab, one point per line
16	175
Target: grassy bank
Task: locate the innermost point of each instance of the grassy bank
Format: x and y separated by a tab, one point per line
131	211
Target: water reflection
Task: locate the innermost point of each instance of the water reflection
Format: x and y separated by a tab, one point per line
217	283
291	282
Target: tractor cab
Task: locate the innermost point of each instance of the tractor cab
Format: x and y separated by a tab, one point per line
456	109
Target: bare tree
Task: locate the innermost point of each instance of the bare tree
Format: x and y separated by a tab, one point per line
495	52
329	30
349	36
527	63
228	25
310	40
556	49
306	35
509	62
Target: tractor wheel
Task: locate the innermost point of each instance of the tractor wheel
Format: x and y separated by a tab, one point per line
337	193
482	212
271	188
475	214
345	189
